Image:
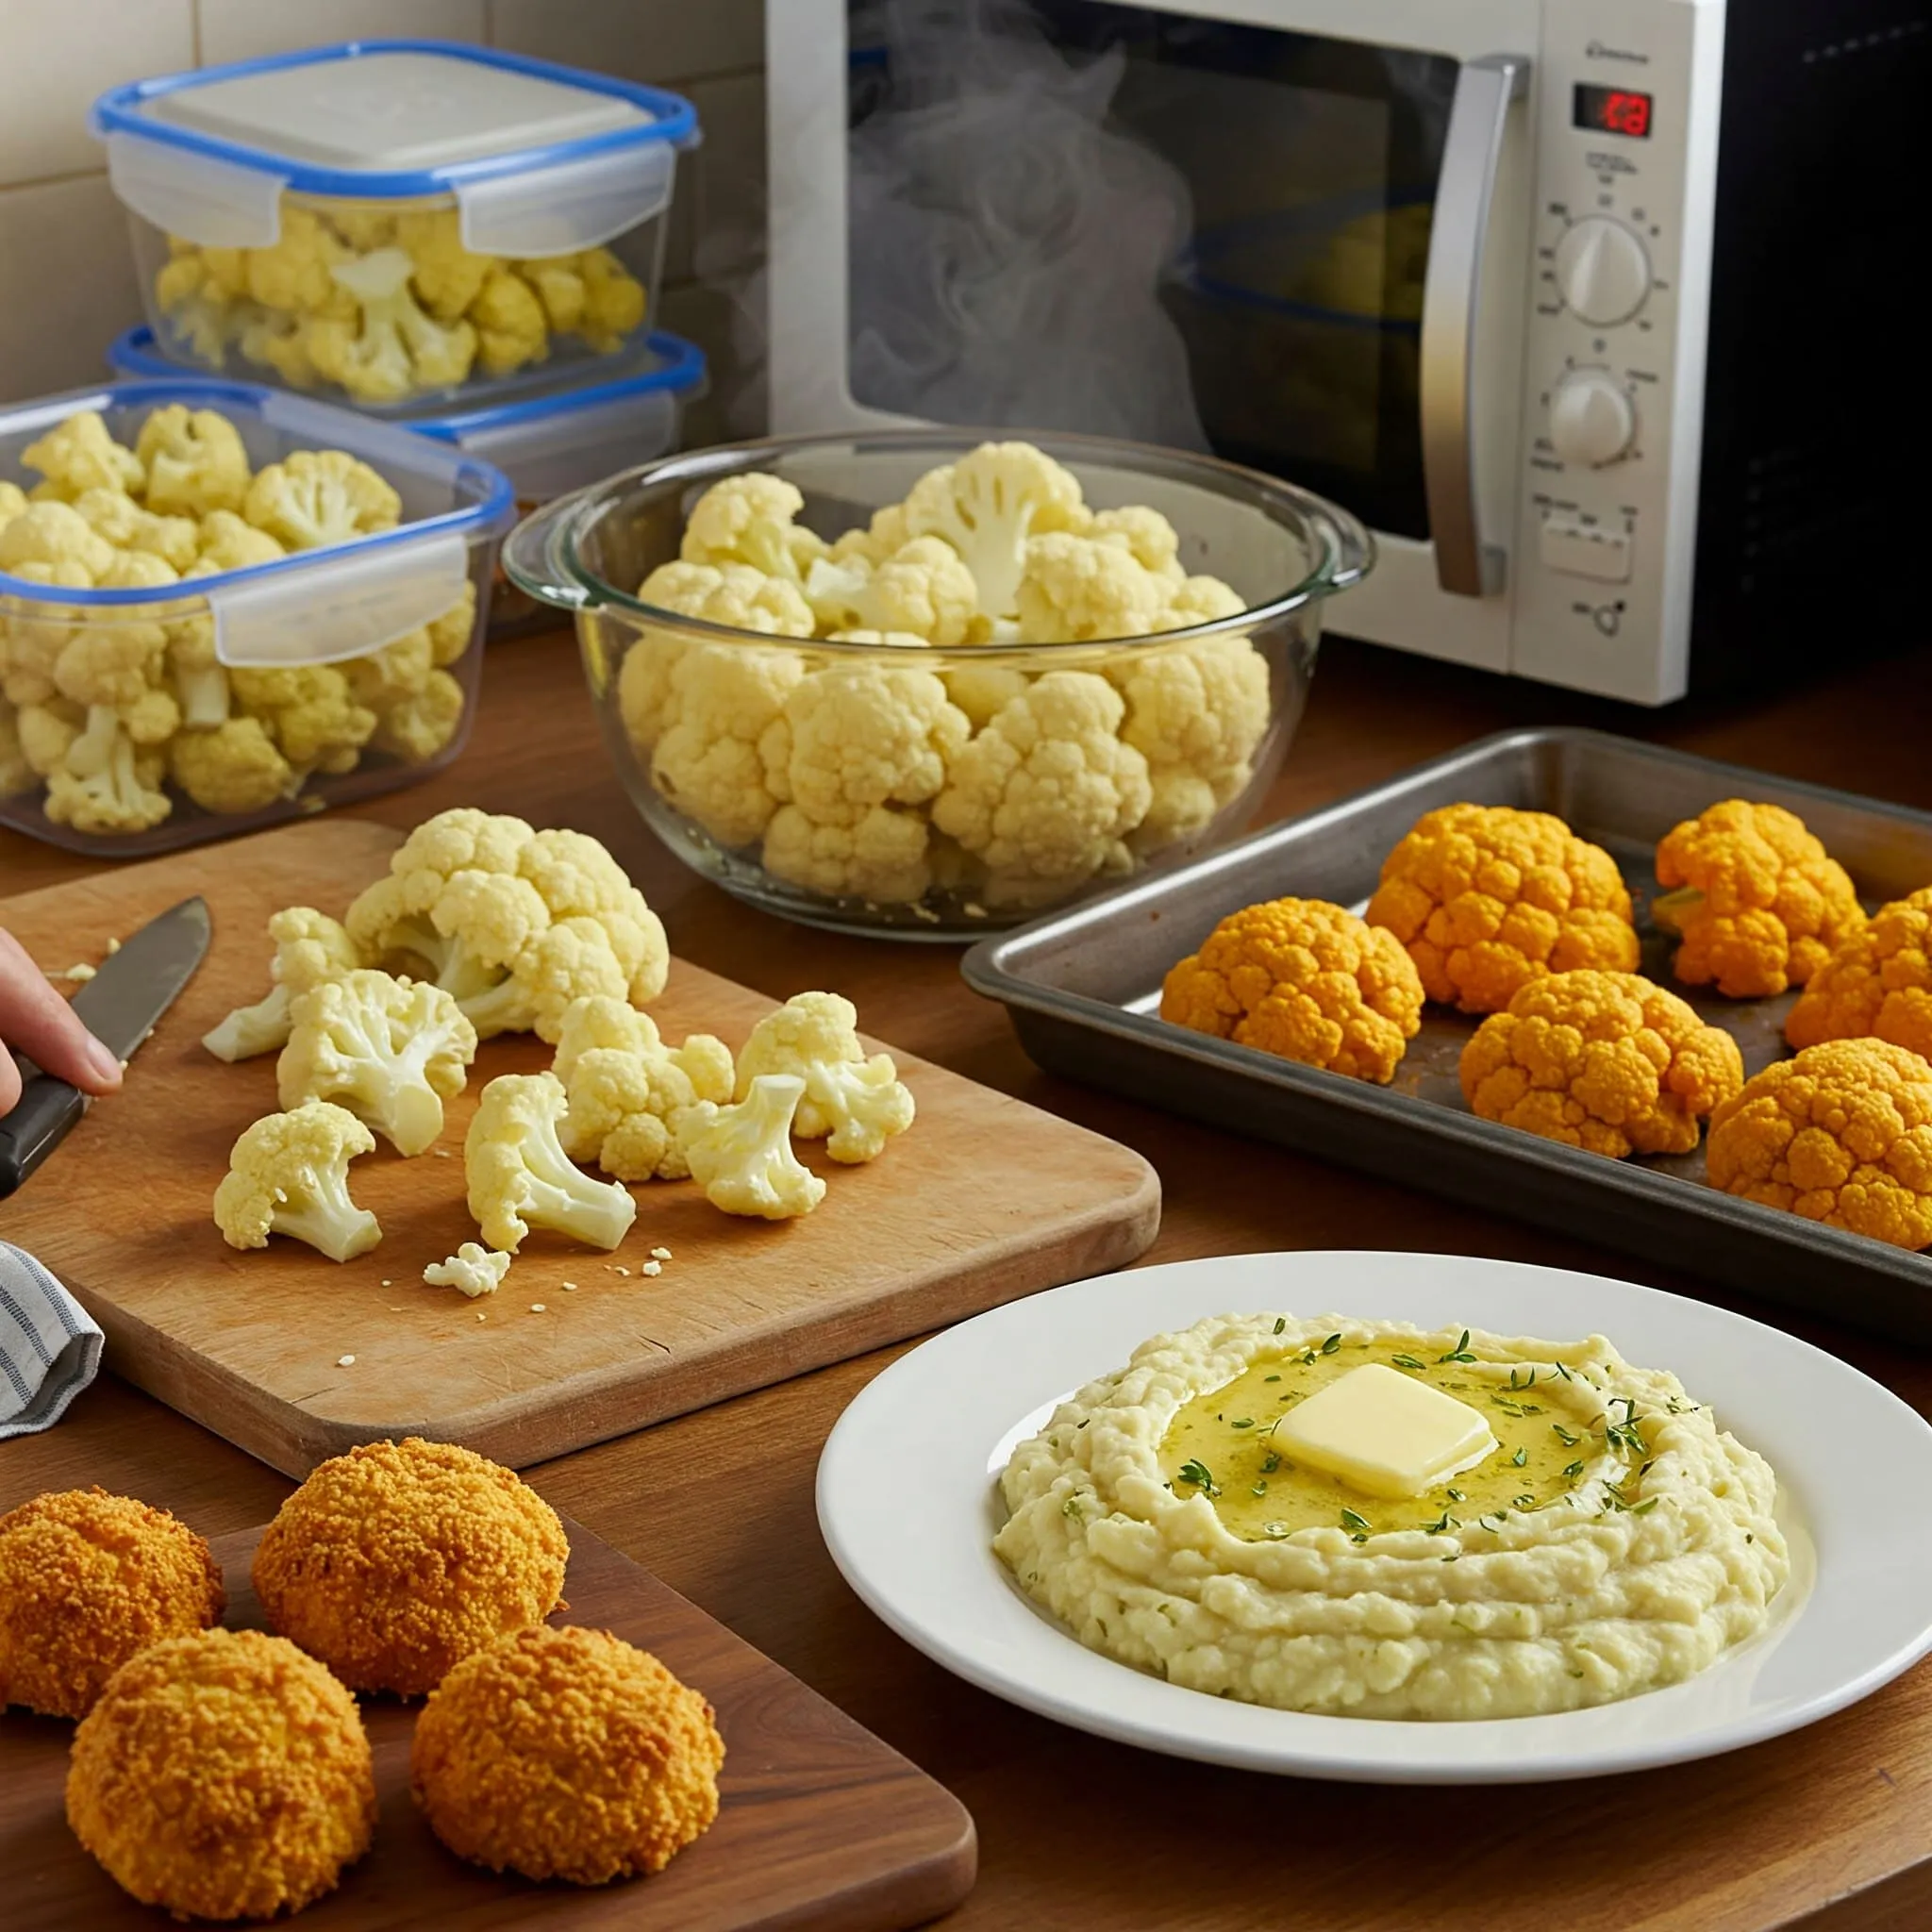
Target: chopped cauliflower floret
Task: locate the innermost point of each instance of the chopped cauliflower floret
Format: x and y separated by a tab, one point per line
741	1154
55	534
855	1104
195	461
509	319
176	541
311	947
386	348
1075	589
1146	535
289	1174
313	497
855	736
724	698
988	505
316	723
231	767
749	519
229	542
883	859
79	454
520	1178
921	589
474	1269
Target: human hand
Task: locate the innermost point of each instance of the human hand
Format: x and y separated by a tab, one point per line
36	1020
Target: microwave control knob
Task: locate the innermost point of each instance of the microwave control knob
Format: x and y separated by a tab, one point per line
1592	417
1602	271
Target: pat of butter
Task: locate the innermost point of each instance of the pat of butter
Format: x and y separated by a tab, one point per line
1384	1433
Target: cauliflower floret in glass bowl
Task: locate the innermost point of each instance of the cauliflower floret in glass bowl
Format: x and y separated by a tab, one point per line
915	683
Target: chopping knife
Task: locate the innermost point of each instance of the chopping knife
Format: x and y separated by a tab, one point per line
119	1005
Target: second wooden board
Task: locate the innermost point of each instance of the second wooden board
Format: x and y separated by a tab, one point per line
294	1358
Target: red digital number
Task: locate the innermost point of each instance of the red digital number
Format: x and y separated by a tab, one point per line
1626	113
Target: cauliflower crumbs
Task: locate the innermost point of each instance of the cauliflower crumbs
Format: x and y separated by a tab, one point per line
651	1268
660	1254
346	1361
443	1154
79	974
537	1307
570	1288
113	947
974	909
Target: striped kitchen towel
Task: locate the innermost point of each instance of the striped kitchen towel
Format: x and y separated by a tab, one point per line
50	1347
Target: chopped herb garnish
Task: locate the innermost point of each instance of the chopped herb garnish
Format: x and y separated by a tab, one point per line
1270	1463
1275	1530
1524	1502
1329	1347
1521	1456
1459	1352
1072	1508
1243	1422
1649	1502
1562	1371
1260	1489
1452	1555
1307	1357
1572	1469
1508	1407
1443	1521
1454	1495
1350	1520
1280	1322
1625	1434
1271	1378
1407	1361
1197	1472
1564	1435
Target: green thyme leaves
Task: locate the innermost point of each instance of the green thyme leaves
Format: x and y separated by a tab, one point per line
1459	1352
1196	1472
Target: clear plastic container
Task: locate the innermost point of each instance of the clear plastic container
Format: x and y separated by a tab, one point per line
1011	796
385	220
215	693
547	443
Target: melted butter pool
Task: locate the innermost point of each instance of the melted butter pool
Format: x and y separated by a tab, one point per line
1221	1443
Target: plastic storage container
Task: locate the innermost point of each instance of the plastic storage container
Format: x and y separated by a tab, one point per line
187	700
391	220
946	791
547	443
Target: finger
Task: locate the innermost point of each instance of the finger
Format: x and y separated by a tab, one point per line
9	1083
36	1020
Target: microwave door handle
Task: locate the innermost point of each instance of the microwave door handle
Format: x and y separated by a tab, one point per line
1466	564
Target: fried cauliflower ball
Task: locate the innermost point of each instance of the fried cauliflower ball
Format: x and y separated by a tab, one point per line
86	1580
566	1754
222	1775
1303	979
1607	1061
393	1562
1487	897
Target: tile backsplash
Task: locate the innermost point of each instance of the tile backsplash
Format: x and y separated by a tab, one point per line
66	276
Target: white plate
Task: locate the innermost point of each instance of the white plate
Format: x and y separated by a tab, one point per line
908	1507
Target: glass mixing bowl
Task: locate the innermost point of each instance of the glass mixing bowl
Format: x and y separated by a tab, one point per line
941	792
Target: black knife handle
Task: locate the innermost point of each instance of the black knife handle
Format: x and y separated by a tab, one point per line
40	1121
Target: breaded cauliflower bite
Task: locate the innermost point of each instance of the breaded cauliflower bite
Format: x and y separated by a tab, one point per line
224	1775
86	1580
1303	979
394	1562
1487	897
1607	1061
567	1754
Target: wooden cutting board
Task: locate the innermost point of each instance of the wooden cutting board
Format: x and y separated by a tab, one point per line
984	1200
820	1824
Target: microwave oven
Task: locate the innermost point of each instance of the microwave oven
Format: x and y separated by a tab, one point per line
1591	310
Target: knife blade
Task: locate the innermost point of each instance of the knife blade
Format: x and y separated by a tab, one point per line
120	1005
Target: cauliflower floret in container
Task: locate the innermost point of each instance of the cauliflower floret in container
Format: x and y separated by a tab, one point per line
447	277
12	500
317	497
1076	589
57	534
176	541
389	1050
854	1103
922	591
309	710
195	460
854	735
882	860
1303	979
749	520
741	1154
289	1174
509	321
987	505
106	784
1047	794
629	1091
231	768
387	347
230	542
80	454
520	1178
311	947
17	773
708	763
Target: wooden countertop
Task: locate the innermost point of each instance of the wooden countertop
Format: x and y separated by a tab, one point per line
1830	1829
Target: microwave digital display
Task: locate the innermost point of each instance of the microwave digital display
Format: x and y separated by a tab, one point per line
1612	111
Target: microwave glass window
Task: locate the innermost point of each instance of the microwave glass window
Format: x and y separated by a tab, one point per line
1612	110
1078	215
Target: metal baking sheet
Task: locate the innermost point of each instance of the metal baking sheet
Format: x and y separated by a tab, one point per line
1083	988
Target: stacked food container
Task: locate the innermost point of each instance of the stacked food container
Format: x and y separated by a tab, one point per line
428	240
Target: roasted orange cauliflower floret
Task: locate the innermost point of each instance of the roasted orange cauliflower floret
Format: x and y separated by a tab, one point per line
1877	985
1762	902
1605	1061
1303	979
1841	1134
1488	898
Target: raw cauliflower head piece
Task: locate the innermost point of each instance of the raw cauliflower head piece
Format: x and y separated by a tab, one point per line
741	1155
474	1270
1876	984
79	454
1841	1134
854	737
577	878
987	505
882	860
57	534
922	591
389	1050
1605	1061
315	497
1488	898
708	765
231	767
854	1104
1197	712
1046	793
520	1178
1759	904
751	520
311	947
289	1174
195	461
629	1093
1303	979
1076	589
732	593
